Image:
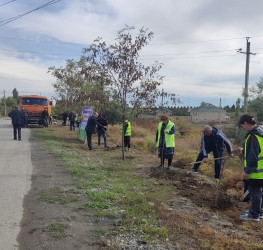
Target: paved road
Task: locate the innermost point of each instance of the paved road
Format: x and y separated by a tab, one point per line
15	182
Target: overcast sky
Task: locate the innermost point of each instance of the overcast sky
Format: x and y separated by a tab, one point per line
196	40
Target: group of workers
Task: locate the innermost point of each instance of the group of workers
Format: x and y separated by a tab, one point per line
74	119
214	140
100	123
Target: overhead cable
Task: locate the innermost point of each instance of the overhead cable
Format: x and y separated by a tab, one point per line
7	3
9	20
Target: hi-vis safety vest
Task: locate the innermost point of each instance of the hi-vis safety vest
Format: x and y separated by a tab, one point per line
128	129
169	139
258	174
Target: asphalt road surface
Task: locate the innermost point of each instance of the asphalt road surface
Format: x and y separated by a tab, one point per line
15	181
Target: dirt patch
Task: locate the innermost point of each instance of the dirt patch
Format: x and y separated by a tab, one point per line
202	190
50	219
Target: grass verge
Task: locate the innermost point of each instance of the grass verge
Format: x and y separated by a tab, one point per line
109	185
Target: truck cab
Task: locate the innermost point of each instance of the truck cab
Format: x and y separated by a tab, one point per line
34	105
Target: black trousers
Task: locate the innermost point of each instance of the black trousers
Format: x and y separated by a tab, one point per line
17	131
127	141
89	136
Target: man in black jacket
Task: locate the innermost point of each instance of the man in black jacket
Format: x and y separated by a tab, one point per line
17	121
91	128
71	118
213	140
102	124
64	117
45	118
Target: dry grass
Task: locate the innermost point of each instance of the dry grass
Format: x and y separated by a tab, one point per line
184	224
187	147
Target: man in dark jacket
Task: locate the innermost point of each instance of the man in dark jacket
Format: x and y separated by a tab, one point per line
17	121
91	128
71	118
102	124
253	165
213	140
45	118
64	117
25	125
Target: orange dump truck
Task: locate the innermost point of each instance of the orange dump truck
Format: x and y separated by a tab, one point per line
34	105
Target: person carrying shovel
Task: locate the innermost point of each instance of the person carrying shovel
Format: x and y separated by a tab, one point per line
102	124
165	140
213	140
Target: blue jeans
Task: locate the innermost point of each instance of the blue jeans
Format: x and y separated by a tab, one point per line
217	154
256	207
104	135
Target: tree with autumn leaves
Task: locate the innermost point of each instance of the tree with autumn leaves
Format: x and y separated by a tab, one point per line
112	76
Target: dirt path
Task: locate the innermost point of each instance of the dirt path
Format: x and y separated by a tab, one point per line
42	219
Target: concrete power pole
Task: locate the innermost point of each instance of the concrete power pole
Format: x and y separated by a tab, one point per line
247	72
220	107
5	102
162	99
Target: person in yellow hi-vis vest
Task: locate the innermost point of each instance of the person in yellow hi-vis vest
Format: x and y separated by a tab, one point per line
127	134
253	166
165	140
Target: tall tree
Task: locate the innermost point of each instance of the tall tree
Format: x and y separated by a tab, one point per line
15	94
74	88
256	100
238	108
134	84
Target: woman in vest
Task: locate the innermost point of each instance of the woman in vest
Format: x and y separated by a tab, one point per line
253	165
165	140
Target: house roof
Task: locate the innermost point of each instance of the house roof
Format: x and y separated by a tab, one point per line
207	107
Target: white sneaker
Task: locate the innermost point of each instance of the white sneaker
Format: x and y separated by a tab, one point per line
247	217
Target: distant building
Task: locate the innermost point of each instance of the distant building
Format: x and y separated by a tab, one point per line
207	113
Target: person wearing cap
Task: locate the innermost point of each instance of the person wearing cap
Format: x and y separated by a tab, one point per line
253	165
165	140
213	140
17	117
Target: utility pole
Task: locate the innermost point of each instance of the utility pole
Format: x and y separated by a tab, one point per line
5	102
162	99
220	107
247	72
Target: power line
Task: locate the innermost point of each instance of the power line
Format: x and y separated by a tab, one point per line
193	53
21	79
38	53
189	53
202	41
39	41
205	41
9	20
189	57
7	3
